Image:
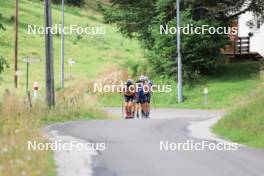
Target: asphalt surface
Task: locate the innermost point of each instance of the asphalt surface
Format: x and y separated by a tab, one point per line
133	147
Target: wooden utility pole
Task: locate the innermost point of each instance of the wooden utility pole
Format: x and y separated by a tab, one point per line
50	92
16	45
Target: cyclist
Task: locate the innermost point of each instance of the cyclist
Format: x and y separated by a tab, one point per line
142	96
148	95
129	94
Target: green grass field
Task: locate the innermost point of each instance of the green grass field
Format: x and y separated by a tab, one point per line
93	54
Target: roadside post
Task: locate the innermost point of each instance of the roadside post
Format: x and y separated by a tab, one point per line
206	96
29	60
71	62
27	70
36	88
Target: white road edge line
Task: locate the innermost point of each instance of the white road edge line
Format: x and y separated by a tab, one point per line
202	130
71	162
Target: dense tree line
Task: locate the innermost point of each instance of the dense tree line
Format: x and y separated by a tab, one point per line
141	19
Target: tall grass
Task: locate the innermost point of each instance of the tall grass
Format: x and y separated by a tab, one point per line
245	123
19	124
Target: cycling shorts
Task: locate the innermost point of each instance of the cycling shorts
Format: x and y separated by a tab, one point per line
128	98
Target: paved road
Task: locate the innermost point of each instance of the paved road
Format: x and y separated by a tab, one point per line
133	147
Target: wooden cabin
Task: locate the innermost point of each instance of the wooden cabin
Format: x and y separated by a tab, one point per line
246	44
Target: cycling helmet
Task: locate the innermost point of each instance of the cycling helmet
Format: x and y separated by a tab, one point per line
129	82
142	78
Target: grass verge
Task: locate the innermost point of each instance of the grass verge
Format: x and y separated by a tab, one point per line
19	124
245	123
227	84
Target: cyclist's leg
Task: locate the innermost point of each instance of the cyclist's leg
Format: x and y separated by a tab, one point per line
133	106
146	109
148	104
137	109
126	106
142	108
137	105
130	109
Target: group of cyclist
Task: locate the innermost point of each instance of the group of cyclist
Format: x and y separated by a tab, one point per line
137	97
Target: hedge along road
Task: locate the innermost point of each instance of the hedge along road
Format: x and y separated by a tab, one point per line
133	146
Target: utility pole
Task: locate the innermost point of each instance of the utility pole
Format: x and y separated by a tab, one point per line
179	57
50	93
16	46
27	71
62	47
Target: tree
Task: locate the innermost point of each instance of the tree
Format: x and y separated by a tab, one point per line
227	9
141	19
200	52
